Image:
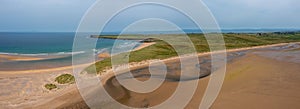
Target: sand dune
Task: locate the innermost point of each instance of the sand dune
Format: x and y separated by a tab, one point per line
261	77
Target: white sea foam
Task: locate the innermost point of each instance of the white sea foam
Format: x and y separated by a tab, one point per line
43	54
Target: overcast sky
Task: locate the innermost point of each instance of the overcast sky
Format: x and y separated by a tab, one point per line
65	15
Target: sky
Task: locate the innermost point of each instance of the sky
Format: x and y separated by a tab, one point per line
65	15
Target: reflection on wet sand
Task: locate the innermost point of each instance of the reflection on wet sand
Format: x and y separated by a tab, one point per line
240	62
173	76
265	76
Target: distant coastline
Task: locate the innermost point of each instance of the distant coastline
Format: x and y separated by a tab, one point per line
33	48
140	57
112	35
186	30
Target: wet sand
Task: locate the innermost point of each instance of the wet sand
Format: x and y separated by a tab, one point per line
261	77
144	45
25	88
265	80
18	58
42	70
259	82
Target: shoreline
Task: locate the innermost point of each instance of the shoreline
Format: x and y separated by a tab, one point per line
137	64
19	58
53	97
12	72
42	70
233	80
251	65
143	45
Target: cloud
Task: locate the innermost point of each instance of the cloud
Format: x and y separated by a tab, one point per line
42	15
64	15
256	13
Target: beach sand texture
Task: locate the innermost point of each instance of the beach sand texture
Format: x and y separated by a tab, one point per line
262	77
18	58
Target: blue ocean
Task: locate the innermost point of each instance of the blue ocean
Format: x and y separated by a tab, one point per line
56	47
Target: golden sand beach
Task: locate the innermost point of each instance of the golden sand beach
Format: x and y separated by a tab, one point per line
19	58
266	76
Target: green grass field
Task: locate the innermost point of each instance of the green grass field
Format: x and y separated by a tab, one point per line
163	50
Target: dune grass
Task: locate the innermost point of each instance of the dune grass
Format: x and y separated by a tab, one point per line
163	50
61	79
50	86
65	79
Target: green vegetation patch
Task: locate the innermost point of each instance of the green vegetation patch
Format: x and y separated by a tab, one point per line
50	86
65	79
163	50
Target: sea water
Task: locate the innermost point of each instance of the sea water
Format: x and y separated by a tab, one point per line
56	48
